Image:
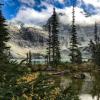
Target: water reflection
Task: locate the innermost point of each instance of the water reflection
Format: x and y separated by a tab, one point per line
84	89
50	86
96	85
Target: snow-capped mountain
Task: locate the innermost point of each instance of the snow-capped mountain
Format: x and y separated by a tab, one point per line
33	39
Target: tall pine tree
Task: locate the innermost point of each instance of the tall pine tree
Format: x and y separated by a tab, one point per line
3	37
92	49
95	47
96	37
53	42
75	52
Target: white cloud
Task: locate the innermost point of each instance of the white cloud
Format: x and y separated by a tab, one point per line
61	1
30	16
27	2
95	3
80	16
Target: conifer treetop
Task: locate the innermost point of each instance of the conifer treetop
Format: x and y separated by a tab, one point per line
54	10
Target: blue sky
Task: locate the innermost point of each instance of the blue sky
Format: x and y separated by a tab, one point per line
13	8
10	8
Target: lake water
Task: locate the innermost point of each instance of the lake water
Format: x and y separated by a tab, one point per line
86	89
34	61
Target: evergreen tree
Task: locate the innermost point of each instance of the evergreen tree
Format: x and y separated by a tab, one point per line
3	38
96	37
95	47
3	49
53	42
97	54
75	52
92	49
29	59
10	71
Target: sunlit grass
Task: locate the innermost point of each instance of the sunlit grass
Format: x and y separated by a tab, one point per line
29	77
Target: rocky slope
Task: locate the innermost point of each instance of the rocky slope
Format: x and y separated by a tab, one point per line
23	40
33	39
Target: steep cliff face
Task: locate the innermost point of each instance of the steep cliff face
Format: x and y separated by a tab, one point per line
28	37
25	39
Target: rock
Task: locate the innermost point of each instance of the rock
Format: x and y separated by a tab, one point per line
79	76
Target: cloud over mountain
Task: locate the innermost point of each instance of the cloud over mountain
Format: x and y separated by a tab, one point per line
38	11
